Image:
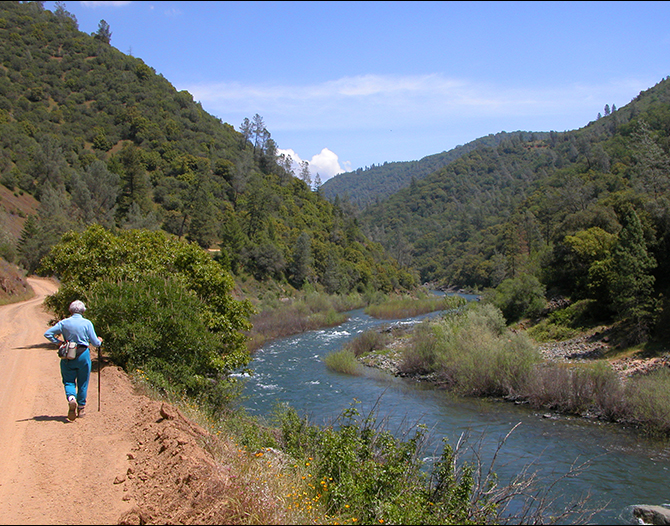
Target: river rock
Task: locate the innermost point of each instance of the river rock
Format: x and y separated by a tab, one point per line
652	514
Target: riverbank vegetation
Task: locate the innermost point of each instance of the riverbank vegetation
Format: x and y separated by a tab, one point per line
400	306
473	352
284	316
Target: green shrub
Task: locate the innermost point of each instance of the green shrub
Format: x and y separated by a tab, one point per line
547	331
518	297
362	474
157	326
184	274
565	323
421	355
648	399
473	351
342	361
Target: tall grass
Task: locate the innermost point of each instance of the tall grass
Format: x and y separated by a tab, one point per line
342	361
473	352
588	388
648	401
369	341
397	307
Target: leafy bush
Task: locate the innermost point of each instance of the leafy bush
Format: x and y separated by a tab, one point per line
157	326
566	323
363	474
160	304
342	361
518	297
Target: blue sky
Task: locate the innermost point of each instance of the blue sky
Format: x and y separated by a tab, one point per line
344	85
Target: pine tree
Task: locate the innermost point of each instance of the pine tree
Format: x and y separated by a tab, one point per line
631	284
301	266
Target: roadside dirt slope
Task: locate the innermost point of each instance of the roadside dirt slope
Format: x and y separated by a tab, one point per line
134	461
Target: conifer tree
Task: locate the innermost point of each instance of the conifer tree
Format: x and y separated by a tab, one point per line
301	266
631	284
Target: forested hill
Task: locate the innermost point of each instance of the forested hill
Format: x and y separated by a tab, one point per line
377	182
587	212
97	137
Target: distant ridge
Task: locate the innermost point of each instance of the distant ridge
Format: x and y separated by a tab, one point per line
363	187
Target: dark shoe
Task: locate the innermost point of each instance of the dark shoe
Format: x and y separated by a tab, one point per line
72	412
81	411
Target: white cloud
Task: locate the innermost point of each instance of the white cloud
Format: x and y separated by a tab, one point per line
356	102
326	163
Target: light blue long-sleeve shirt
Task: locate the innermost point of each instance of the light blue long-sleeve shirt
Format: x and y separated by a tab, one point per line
76	328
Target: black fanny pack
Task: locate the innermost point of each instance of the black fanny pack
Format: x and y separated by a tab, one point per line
71	350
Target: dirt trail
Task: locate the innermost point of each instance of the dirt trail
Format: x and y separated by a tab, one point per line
53	471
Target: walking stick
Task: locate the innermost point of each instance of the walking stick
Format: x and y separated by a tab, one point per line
99	367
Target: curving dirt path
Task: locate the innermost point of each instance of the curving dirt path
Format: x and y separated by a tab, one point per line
53	471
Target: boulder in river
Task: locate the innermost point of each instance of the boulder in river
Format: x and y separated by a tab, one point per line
652	514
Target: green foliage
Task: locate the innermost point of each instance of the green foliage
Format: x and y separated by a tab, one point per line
157	327
473	352
587	260
631	284
648	397
342	361
362	473
85	262
565	323
518	297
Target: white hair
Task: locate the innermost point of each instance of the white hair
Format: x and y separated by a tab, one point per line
77	307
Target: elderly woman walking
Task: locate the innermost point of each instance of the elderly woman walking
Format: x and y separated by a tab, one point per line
76	372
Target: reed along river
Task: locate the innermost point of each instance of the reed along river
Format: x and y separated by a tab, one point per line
624	469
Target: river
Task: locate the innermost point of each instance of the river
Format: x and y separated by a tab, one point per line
624	469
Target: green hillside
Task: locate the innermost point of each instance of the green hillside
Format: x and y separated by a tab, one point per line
587	212
377	182
97	137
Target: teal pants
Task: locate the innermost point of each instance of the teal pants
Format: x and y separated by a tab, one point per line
76	374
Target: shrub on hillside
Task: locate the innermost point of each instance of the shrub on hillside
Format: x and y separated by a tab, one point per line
156	326
518	297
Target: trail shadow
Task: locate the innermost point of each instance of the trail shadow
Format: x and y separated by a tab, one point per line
47	418
45	345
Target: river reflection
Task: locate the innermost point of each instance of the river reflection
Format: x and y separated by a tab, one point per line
623	469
